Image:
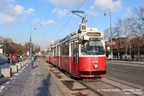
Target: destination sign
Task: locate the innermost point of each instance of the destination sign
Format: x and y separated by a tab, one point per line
93	34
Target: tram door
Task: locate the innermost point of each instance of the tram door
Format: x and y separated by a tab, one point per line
52	56
73	58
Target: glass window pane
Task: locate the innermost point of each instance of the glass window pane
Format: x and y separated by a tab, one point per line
92	47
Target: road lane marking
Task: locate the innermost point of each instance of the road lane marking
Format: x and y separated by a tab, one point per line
134	68
119	70
126	64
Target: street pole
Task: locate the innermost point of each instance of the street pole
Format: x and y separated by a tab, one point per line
110	31
30	53
5	47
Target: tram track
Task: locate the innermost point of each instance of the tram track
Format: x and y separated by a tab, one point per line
111	89
95	91
126	83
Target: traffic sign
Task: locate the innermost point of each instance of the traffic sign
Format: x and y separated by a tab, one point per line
111	42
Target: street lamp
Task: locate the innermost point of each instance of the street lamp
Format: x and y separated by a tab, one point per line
30	53
110	30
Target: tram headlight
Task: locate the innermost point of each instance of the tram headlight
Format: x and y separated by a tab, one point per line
95	66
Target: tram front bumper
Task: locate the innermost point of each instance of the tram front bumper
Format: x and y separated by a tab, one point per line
92	73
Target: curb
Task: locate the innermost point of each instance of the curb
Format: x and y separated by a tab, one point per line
129	62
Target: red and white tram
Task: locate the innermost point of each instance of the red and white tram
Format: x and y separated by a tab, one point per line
81	54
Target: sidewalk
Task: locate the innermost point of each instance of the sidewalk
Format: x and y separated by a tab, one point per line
31	82
128	62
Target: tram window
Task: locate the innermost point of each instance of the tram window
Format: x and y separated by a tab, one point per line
65	48
74	48
51	53
47	52
57	50
92	47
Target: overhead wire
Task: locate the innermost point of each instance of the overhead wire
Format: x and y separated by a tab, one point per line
38	9
47	14
39	16
49	9
69	19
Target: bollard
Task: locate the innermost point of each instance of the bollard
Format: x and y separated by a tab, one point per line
19	66
6	72
24	62
14	68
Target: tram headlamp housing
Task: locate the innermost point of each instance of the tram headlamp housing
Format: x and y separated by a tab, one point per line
95	66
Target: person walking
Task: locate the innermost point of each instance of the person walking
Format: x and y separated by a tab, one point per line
20	58
32	61
8	59
14	58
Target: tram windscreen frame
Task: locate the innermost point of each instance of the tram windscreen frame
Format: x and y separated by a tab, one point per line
92	47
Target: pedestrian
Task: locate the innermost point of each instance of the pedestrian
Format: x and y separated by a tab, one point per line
125	55
35	57
20	57
8	59
14	58
32	61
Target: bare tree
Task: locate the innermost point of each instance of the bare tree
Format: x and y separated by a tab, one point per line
107	34
43	52
27	47
138	15
123	28
138	28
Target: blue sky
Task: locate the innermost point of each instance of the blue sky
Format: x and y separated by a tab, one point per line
17	17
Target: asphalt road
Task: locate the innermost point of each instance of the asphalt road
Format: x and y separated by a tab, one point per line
132	73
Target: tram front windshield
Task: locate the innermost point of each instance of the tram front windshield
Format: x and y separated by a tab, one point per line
92	47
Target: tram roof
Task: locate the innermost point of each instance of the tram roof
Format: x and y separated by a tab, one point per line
75	33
